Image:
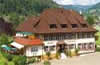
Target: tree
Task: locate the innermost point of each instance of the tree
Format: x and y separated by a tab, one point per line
90	19
25	7
17	10
3	39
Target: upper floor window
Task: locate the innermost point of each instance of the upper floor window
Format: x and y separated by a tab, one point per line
74	25
63	25
84	25
53	26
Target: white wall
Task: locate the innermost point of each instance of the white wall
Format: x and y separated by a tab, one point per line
20	35
50	43
29	53
70	41
54	42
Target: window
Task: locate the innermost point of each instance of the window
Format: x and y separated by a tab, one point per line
71	46
52	48
53	26
84	46
74	26
46	48
84	25
80	46
91	45
80	35
34	49
63	25
49	48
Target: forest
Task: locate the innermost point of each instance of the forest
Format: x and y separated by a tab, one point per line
16	11
12	13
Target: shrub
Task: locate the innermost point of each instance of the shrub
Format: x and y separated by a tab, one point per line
69	53
77	50
32	60
3	39
11	63
9	57
19	60
47	63
48	54
57	55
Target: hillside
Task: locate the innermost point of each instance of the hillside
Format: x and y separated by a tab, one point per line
24	7
77	7
16	11
95	10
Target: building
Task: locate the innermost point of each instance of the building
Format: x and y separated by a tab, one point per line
5	27
55	30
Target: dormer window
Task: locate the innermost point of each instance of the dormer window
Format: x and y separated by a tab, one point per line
53	26
63	25
84	25
74	25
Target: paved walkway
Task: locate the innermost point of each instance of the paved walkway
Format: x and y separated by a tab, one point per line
89	59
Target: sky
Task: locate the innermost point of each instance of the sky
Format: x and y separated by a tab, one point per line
77	2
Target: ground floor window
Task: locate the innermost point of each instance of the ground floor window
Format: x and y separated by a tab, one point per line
86	46
70	46
52	48
46	48
91	46
49	48
34	49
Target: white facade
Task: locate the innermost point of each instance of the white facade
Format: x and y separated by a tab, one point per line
41	50
37	51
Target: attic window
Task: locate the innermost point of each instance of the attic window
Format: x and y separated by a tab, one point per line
74	26
53	26
84	25
63	25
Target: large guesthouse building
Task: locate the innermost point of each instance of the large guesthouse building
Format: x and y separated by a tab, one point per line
55	30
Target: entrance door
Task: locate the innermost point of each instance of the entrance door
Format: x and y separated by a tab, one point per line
61	47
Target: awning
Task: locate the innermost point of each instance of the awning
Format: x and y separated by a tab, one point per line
17	45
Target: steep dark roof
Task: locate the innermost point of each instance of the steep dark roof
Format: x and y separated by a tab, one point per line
57	17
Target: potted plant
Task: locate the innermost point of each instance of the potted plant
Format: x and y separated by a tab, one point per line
69	53
48	54
76	51
57	55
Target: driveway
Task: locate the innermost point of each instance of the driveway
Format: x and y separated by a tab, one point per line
88	59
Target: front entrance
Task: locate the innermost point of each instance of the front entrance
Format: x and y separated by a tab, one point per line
61	46
61	49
